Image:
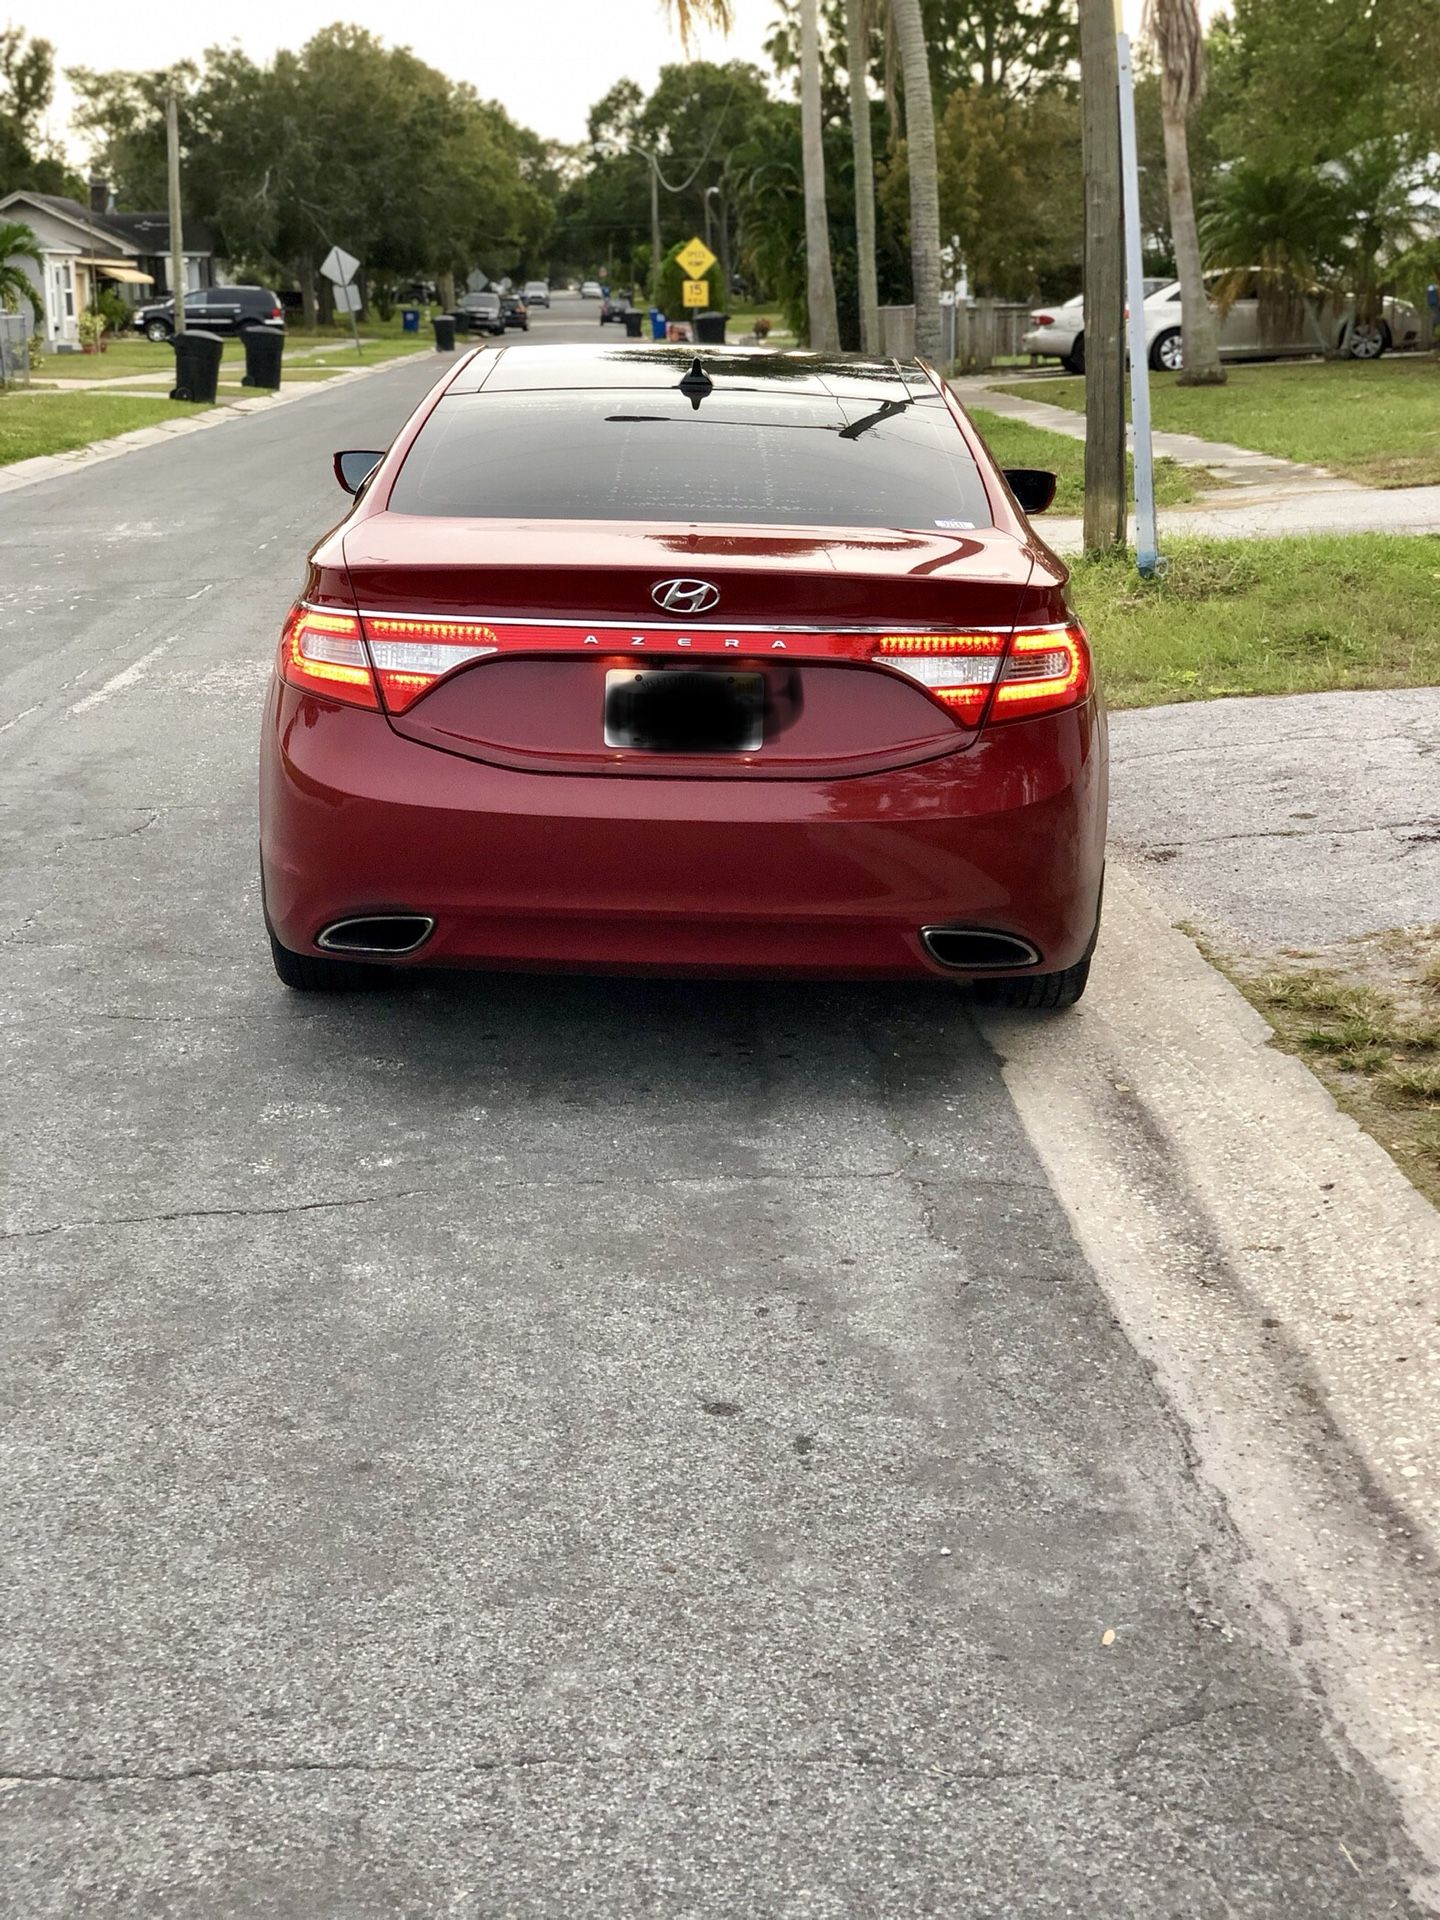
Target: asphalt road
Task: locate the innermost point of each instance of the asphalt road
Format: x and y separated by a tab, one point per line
549	1447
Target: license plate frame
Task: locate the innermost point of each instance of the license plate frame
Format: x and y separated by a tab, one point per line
662	710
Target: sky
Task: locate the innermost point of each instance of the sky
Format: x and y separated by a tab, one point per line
546	61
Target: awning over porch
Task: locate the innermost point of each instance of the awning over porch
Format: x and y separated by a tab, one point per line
120	270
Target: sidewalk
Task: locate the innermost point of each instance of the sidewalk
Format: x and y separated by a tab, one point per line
1259	496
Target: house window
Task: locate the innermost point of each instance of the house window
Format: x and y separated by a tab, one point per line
67	282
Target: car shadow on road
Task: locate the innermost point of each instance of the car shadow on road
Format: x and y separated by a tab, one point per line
613	1040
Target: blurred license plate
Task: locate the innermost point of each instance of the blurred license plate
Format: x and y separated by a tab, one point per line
684	710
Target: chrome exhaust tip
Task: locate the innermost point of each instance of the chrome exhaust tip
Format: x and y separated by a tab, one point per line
377	933
972	949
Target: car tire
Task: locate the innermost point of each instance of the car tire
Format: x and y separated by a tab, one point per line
1365	343
1167	354
1074	361
308	973
157	330
1035	990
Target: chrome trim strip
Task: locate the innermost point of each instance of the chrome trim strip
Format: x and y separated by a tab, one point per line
674	626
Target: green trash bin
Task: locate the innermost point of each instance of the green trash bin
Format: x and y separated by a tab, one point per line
263	349
197	367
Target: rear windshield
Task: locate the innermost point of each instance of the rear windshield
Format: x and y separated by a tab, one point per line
643	454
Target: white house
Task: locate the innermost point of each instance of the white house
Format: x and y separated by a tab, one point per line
87	248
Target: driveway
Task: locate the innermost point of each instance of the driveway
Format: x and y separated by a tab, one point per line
543	1447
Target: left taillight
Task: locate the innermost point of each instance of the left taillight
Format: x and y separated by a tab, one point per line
391	659
325	653
1037	670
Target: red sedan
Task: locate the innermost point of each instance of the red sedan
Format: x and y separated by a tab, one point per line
630	659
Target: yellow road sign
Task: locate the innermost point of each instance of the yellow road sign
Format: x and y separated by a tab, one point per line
696	258
697	293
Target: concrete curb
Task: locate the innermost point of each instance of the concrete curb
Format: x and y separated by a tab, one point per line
1282	1277
50	466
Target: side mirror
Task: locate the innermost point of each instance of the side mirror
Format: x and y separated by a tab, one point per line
1033	487
353	469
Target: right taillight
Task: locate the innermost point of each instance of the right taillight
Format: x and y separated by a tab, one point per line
1037	670
1048	668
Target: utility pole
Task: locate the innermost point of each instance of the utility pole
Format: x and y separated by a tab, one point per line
177	238
1104	279
654	228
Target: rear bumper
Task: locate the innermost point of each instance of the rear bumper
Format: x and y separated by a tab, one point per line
830	879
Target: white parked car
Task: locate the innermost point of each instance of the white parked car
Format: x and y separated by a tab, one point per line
1059	332
590	290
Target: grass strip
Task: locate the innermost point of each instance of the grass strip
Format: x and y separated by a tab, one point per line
59	422
1374	421
1302	615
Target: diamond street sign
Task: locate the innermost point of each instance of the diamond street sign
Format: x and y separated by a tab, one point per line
696	258
339	266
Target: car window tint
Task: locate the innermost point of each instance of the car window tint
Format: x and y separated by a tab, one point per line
647	454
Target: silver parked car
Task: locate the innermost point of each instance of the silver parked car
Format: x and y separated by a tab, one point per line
1059	332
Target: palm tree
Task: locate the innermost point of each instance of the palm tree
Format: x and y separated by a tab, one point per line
690	14
820	278
858	24
18	242
1285	224
924	174
1173	29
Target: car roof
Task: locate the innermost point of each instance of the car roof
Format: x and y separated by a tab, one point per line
501	369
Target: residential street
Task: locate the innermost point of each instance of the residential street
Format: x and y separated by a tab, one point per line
577	1447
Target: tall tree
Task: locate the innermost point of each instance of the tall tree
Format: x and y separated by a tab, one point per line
1173	28
858	25
924	174
820	278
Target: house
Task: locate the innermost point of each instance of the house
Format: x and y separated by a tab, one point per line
87	248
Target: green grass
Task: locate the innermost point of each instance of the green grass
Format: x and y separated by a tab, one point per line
1298	615
1377	422
57	422
1015	443
1376	1053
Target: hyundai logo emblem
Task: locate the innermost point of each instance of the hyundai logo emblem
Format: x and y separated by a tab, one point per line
685	596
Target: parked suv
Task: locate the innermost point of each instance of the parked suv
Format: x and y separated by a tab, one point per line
537	293
213	310
480	313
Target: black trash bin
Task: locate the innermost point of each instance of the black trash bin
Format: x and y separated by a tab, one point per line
263	348
444	325
634	321
197	367
710	329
